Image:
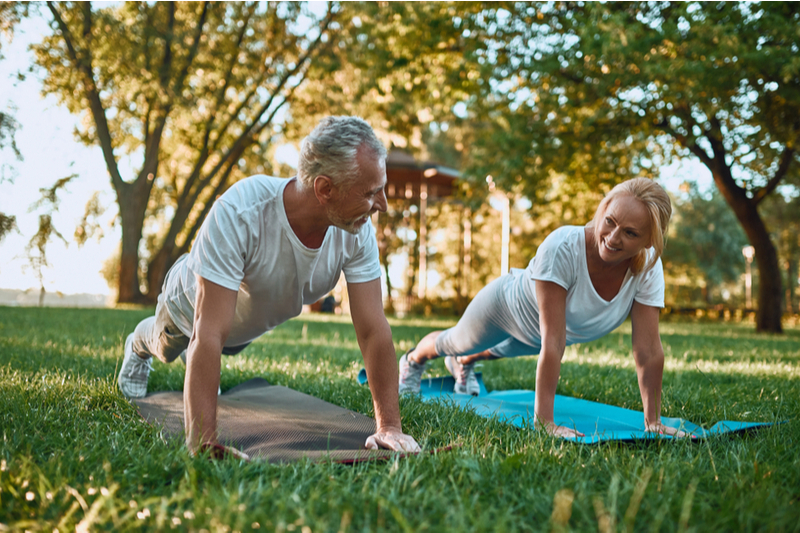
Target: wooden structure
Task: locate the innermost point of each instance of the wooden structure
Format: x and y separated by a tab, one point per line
424	182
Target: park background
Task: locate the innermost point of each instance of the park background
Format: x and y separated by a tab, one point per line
122	122
554	125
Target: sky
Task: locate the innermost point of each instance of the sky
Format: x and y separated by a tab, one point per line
50	152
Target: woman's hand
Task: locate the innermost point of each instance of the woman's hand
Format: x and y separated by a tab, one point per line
558	431
661	429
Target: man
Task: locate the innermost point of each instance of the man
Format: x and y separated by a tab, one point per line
267	247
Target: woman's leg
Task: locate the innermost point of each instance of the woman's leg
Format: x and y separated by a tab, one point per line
486	322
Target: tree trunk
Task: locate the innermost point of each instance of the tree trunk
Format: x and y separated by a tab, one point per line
791	283
157	270
131	213
768	313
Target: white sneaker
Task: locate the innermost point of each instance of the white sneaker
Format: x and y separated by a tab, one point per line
466	382
410	375
134	372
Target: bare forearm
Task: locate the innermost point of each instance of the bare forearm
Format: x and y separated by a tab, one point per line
200	394
547	371
380	363
650	372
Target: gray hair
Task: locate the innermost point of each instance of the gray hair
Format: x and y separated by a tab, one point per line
332	150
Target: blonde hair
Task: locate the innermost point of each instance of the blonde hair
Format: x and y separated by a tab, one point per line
659	208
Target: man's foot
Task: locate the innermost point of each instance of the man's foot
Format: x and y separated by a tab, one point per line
134	372
410	375
466	382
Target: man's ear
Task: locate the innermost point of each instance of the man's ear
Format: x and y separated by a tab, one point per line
324	189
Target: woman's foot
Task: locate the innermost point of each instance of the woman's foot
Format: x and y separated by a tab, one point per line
466	382
410	374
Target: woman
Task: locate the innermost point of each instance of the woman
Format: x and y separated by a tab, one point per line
582	284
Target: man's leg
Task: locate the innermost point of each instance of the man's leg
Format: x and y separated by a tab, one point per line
154	336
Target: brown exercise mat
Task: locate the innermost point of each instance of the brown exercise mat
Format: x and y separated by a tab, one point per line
273	423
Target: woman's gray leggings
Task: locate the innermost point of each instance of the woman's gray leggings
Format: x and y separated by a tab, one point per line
487	324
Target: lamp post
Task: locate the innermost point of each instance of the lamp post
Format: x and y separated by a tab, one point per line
505	209
748	252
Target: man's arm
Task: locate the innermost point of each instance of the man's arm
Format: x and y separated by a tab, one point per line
649	357
552	299
214	310
375	340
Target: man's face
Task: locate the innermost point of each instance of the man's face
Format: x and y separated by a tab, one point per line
352	210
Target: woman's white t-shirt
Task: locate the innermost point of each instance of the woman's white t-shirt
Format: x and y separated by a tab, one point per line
247	245
561	259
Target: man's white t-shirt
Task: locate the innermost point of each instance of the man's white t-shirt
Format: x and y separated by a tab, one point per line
247	245
561	259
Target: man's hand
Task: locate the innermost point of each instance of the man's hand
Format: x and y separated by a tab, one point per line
392	439
218	451
661	429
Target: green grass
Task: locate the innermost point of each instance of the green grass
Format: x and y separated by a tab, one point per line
74	452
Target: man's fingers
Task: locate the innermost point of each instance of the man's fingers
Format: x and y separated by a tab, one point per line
238	454
397	443
218	451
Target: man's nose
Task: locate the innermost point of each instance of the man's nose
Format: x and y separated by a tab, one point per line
381	204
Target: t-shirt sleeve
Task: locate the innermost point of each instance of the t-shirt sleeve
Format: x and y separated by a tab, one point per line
651	289
364	265
220	251
554	260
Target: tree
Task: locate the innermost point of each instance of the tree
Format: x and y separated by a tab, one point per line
10	15
37	246
190	94
705	239
602	92
782	215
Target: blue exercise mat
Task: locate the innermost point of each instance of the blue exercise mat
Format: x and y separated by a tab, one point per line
598	422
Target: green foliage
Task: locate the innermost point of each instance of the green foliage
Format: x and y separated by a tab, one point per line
782	215
36	249
189	92
8	223
74	452
705	241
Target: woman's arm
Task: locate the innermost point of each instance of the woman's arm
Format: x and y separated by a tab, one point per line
649	356
552	299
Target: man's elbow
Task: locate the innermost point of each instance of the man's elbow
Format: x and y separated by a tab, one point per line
210	343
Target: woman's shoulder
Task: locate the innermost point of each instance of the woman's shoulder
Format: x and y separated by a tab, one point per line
565	235
565	242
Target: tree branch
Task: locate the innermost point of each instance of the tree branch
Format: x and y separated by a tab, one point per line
195	46
84	66
219	98
219	189
166	63
783	167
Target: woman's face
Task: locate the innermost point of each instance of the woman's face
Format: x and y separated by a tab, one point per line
624	230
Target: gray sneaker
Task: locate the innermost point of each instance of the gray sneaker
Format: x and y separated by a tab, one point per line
134	372
410	375
466	382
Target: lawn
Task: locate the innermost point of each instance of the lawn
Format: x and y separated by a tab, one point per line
75	454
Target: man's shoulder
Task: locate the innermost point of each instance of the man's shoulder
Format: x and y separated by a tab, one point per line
256	186
252	193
